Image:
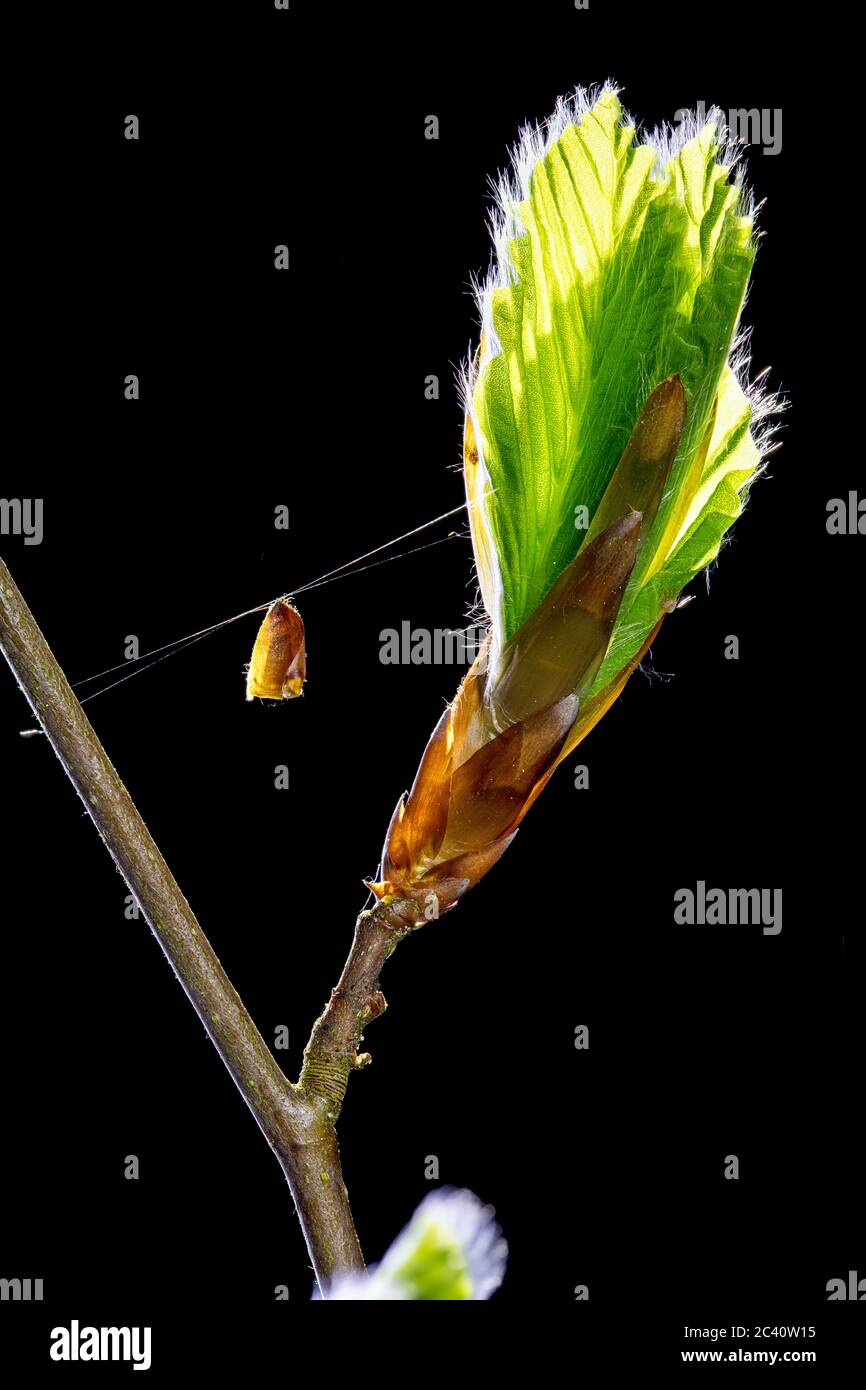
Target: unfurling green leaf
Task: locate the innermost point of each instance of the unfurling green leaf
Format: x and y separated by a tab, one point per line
607	449
621	263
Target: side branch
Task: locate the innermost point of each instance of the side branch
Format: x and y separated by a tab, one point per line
332	1054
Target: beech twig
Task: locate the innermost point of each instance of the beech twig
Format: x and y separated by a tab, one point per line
297	1120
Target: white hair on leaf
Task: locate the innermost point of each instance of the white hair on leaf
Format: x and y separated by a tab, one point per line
765	406
669	141
512	187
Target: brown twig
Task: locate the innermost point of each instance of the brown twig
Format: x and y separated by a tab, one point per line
297	1121
332	1054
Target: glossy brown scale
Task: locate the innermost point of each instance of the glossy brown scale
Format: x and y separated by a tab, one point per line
278	667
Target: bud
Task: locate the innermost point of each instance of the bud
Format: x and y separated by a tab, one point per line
278	666
609	381
495	747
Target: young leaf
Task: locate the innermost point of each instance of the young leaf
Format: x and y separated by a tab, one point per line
620	263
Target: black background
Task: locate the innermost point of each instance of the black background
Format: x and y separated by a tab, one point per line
307	388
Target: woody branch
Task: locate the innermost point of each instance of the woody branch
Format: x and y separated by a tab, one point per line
294	1119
